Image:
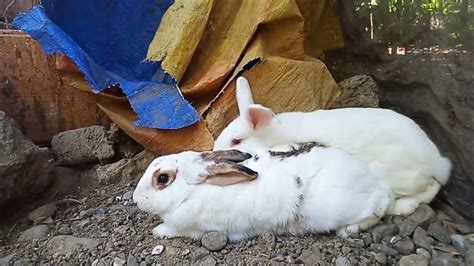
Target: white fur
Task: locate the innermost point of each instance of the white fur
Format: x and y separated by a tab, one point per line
339	193
394	146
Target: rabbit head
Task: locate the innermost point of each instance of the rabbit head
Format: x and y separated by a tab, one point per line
171	179
246	131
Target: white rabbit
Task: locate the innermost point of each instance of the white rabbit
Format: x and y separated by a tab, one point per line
319	190
394	146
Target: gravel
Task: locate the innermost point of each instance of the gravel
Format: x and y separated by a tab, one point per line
109	229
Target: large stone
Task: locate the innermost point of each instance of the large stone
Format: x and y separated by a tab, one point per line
384	230
35	232
83	145
413	260
421	239
436	91
405	247
24	167
64	244
125	169
407	226
440	233
422	216
358	91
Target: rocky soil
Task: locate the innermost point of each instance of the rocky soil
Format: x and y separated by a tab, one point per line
108	228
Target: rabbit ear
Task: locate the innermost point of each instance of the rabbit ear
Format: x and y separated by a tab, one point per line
244	95
226	155
259	115
227	173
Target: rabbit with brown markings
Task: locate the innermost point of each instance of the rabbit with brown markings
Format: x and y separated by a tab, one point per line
317	190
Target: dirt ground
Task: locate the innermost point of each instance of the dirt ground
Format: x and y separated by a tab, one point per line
108	229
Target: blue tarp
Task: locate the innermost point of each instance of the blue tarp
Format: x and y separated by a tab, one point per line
108	40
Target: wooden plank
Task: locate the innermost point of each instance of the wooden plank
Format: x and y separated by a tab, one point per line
35	95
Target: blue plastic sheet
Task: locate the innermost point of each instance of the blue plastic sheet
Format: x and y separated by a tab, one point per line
108	41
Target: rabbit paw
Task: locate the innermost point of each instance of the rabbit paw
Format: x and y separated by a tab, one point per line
163	231
404	206
346	231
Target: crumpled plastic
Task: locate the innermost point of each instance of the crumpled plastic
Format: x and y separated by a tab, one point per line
108	41
206	44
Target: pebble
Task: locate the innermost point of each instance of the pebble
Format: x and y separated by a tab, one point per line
118	262
185	252
132	261
208	260
422	251
214	240
157	250
441	258
413	260
381	231
458	243
440	233
269	239
35	232
469	249
421	240
127	196
22	262
367	239
423	216
311	256
380	248
381	258
405	247
406	226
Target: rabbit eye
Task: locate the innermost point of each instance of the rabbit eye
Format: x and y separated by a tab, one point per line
163	178
235	142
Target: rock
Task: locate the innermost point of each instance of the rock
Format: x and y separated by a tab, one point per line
208	260
341	261
421	240
440	233
6	259
405	247
125	169
311	256
381	231
35	232
469	249
441	258
22	262
64	244
157	250
422	251
381	258
458	243
358	91
269	240
379	248
24	167
214	240
83	145
406	226
132	261
127	196
416	86
422	216
118	262
413	260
